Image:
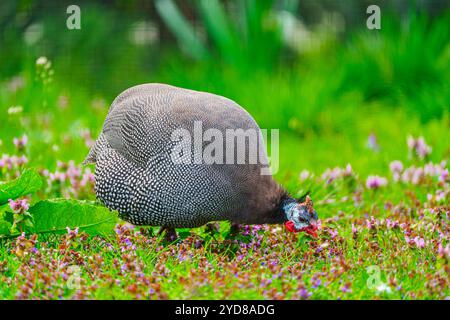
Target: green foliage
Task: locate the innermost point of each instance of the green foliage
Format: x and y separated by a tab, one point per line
395	62
183	31
5	227
49	216
249	37
28	182
55	215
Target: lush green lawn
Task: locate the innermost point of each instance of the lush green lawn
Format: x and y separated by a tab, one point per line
390	242
354	102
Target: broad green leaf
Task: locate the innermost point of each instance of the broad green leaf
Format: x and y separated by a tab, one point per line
30	181
53	216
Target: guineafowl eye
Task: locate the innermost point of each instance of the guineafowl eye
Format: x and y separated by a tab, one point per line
136	174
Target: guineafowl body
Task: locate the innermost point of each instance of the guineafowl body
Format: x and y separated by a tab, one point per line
136	175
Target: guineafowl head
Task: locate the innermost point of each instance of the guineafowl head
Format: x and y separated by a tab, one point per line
301	216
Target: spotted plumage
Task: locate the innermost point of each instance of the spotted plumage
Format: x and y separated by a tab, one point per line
136	175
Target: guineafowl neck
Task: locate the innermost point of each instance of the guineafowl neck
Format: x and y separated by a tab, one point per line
278	213
263	203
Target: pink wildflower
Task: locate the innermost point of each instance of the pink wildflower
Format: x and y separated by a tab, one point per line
372	143
21	142
420	243
418	146
375	182
19	205
396	166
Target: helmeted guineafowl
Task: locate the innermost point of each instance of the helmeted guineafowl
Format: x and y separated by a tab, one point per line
136	173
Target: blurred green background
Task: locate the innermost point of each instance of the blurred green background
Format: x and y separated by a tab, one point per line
339	92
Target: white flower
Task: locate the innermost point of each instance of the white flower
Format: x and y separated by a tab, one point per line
305	174
15	109
41	61
383	287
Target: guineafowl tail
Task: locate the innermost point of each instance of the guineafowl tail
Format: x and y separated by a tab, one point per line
98	146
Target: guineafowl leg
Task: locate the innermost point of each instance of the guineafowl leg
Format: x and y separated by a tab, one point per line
170	234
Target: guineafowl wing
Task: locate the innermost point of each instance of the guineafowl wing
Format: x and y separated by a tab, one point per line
134	127
142	119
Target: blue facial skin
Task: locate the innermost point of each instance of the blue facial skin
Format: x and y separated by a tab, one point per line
299	215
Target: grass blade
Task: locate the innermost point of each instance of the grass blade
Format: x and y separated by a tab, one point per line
181	29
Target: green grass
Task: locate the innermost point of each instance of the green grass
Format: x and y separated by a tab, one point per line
326	104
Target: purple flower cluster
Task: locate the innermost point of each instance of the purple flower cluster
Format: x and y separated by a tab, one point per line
21	142
331	175
72	233
416	175
372	143
444	252
375	182
304	175
10	163
416	241
418	147
256	235
396	167
439	196
87	137
19	206
70	180
304	294
392	224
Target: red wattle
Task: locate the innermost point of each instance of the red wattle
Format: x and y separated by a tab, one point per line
290	226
